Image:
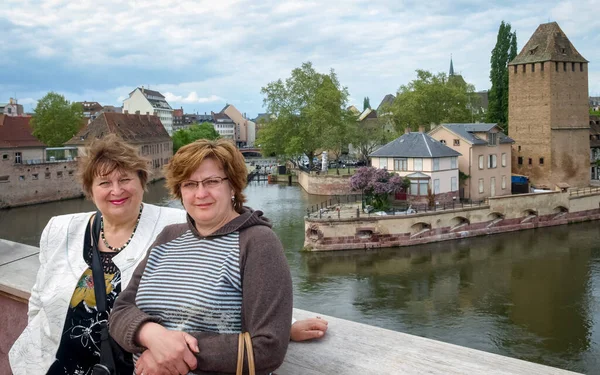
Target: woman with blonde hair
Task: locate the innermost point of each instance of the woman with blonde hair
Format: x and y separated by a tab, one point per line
204	281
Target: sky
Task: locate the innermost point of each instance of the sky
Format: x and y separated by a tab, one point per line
204	54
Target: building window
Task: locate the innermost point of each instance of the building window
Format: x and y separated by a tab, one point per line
419	187
504	159
18	158
418	164
436	164
383	163
457	142
453	162
519	148
436	186
492	163
401	164
480	161
454	183
503	182
524	67
520	160
542	66
541	161
530	161
4	156
35	176
481	186
443	141
533	67
492	139
564	66
59	174
557	66
21	178
572	67
47	175
515	69
71	173
581	67
4	178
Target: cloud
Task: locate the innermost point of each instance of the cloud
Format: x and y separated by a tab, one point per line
227	50
192	97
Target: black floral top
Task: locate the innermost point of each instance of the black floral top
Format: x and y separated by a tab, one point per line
79	348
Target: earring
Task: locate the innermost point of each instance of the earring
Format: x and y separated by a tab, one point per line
233	198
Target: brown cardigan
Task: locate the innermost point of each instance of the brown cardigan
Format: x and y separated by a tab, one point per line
266	299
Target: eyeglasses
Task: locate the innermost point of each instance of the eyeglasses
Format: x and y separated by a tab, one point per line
207	183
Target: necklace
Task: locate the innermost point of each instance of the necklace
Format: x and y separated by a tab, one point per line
117	249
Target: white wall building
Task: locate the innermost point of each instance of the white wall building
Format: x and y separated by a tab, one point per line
224	125
144	101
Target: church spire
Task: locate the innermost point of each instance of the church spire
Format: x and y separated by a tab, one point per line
451	67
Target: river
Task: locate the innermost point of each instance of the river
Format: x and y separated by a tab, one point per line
533	295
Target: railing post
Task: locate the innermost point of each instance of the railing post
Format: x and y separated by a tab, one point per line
357	212
338	213
319	214
307	213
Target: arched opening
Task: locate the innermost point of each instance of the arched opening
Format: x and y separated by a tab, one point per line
364	234
420	228
559	212
313	233
495	218
459	222
529	215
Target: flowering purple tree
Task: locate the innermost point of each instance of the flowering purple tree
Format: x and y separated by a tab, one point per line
376	185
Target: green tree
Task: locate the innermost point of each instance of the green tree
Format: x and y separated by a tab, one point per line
503	53
56	120
182	137
307	114
370	134
431	99
366	103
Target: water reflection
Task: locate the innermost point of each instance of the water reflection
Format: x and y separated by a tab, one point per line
528	295
533	295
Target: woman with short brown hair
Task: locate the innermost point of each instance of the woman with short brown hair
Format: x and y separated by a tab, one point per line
63	331
203	282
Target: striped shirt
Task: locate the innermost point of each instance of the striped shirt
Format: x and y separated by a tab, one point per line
194	284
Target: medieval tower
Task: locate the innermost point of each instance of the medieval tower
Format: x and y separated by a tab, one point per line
548	111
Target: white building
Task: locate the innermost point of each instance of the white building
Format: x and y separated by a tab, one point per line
429	165
148	102
12	108
224	125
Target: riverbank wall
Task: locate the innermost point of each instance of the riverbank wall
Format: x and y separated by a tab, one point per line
499	215
325	184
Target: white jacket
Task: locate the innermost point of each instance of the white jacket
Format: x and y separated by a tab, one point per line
61	266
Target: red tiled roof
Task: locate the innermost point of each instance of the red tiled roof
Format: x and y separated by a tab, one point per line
15	131
178	113
132	128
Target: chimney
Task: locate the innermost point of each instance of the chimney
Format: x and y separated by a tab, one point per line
137	112
126	111
407	130
142	89
148	113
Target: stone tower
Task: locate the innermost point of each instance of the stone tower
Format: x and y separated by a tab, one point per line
548	110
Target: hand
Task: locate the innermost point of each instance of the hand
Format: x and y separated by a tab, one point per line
308	329
146	365
171	350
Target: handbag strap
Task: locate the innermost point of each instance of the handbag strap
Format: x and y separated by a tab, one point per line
97	270
245	344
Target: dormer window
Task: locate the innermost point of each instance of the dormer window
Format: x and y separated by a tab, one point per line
492	139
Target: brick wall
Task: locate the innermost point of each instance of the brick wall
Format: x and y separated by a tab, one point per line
549	121
37	183
325	185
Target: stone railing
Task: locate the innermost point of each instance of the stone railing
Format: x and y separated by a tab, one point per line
347	348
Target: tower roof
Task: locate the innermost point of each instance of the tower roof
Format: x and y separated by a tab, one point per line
548	43
451	68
